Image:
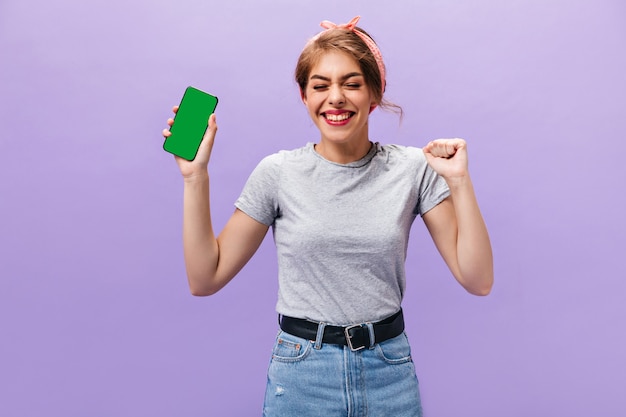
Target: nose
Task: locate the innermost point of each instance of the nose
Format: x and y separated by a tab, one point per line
335	95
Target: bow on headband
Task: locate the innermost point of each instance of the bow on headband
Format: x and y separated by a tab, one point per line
351	25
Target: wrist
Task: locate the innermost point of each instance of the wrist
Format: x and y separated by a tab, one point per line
458	182
199	176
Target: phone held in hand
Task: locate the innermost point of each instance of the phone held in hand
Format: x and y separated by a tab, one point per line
190	123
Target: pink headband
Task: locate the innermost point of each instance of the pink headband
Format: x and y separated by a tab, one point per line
368	41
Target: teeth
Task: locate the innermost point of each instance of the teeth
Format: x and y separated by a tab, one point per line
337	117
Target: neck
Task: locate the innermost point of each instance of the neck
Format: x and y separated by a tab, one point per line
343	153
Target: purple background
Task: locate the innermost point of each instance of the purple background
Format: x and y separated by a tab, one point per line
95	314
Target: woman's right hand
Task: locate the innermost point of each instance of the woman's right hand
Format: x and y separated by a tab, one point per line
199	165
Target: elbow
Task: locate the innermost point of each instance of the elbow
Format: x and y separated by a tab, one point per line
480	291
481	286
201	288
201	292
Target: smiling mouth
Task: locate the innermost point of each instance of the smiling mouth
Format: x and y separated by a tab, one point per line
338	117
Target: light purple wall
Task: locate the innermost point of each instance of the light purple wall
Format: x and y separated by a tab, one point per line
95	315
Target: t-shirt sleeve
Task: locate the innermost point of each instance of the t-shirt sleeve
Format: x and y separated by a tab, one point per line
432	188
259	196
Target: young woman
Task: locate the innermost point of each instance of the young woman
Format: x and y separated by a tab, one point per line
341	211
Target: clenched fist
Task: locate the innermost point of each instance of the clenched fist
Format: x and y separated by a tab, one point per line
447	157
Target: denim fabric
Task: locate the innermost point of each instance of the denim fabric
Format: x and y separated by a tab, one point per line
306	378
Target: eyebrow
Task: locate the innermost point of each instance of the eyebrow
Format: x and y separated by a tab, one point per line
343	78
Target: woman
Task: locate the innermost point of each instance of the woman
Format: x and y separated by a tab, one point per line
341	211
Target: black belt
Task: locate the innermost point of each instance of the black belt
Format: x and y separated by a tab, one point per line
356	337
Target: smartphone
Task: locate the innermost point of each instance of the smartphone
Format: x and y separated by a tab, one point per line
190	123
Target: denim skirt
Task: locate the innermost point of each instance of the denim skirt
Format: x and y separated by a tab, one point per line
308	378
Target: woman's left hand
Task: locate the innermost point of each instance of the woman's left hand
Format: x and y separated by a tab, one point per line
456	224
447	157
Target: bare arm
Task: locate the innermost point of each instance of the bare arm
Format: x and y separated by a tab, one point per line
212	262
456	225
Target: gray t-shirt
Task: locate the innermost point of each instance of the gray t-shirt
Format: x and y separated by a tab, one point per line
341	230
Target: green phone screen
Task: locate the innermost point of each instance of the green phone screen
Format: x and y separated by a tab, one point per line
190	123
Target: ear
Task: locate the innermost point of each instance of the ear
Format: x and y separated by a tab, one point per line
302	96
373	105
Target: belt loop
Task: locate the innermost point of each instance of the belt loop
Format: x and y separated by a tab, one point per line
320	335
370	328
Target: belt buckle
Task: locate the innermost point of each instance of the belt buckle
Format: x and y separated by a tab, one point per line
349	337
